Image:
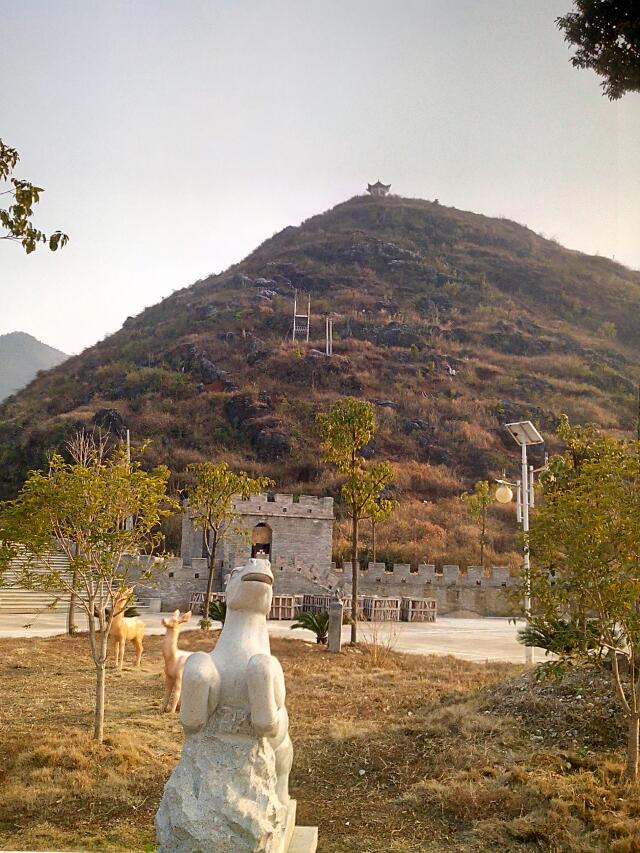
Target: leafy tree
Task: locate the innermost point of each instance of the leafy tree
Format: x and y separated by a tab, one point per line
316	622
381	511
348	426
211	508
586	562
82	511
606	34
16	219
477	504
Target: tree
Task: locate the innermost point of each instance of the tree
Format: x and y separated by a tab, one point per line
381	511
211	508
585	577
82	511
606	34
478	503
16	219
348	426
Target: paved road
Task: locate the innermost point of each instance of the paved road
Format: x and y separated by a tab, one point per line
472	639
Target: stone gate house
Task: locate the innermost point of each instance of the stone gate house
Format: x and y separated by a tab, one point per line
294	534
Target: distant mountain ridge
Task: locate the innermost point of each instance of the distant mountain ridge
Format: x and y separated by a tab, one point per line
21	357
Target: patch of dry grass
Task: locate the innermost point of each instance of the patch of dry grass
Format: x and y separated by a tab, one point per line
393	752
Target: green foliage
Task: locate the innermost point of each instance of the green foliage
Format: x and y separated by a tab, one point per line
345	430
585	556
83	510
347	427
477	504
211	505
316	622
218	610
99	510
158	379
609	330
566	638
606	34
211	498
16	219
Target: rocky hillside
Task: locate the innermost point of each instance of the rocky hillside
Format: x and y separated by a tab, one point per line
450	322
21	357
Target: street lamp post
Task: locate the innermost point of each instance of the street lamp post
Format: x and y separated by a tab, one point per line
524	433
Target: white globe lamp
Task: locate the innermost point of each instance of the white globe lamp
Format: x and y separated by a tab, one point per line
504	494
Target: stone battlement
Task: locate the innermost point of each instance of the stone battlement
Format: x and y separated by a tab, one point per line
475	576
277	505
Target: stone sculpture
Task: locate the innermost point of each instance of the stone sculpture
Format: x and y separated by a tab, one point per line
125	628
229	793
174	660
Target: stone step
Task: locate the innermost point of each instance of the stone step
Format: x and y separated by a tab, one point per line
17	600
304	840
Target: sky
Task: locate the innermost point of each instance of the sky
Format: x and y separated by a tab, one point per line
174	137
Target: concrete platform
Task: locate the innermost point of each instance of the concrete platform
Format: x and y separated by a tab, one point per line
476	639
304	840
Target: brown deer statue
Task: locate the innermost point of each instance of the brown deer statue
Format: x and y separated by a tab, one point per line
174	661
125	628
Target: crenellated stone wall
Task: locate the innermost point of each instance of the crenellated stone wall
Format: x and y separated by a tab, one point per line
474	591
301	542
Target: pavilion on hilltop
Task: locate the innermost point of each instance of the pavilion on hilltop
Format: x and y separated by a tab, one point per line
378	188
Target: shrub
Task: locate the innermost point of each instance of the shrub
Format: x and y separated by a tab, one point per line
318	623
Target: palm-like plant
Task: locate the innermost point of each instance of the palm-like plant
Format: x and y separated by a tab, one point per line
563	637
218	610
316	622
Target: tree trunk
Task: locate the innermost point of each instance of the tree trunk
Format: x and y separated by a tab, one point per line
484	527
98	724
212	567
71	613
373	541
354	579
633	741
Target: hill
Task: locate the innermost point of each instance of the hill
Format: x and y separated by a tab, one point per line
21	357
452	323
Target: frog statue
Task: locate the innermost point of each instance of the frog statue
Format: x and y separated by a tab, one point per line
229	793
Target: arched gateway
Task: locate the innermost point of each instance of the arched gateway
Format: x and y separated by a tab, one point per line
261	538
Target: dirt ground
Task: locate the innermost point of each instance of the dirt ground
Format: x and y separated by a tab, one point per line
393	752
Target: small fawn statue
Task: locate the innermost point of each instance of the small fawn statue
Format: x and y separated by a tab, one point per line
125	628
174	660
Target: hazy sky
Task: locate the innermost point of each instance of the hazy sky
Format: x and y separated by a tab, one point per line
173	137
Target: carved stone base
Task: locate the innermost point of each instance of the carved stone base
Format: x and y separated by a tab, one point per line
304	840
221	798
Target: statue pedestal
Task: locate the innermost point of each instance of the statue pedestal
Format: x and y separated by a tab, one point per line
304	840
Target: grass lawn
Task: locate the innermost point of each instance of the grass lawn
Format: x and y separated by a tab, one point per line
392	754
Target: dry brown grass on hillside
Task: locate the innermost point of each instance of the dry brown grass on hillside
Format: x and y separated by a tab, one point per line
412	755
435	532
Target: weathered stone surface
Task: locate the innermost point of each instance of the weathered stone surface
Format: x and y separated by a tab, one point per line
336	612
258	351
221	797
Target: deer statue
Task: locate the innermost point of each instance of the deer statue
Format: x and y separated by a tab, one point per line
229	793
125	628
174	660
